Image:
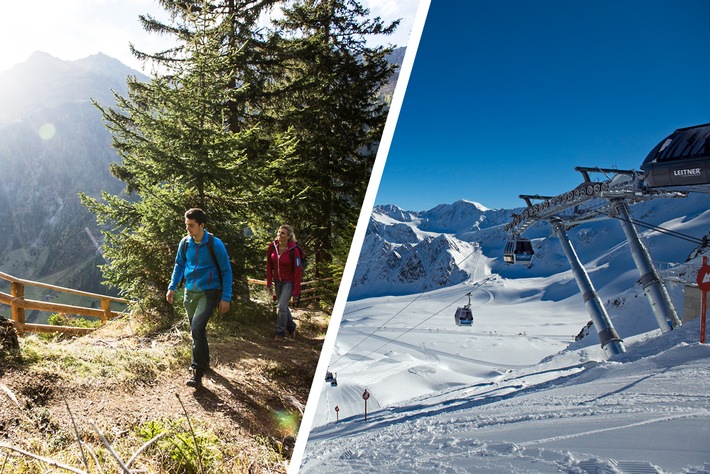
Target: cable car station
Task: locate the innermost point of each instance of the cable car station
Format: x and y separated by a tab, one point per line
676	166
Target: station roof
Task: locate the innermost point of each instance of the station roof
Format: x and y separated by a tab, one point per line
684	143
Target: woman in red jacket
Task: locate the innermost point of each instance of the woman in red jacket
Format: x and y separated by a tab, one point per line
284	270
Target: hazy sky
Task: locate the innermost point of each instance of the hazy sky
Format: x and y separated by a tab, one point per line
75	29
507	97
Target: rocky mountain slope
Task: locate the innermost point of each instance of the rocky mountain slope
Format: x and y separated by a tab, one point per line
53	144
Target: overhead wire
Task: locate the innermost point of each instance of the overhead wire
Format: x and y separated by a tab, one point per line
407	330
673	233
394	316
389	341
663	230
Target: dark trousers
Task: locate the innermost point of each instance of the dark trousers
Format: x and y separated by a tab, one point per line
199	307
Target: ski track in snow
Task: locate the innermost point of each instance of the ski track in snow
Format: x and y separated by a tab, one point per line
433	355
495	426
704	413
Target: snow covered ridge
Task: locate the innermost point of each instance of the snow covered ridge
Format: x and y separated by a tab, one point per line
455	242
423	250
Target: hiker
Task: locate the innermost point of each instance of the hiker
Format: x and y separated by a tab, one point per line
203	261
284	267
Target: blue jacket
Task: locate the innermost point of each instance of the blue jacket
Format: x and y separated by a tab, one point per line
199	269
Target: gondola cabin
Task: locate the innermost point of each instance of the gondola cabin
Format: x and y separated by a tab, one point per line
334	382
680	160
518	250
329	376
464	316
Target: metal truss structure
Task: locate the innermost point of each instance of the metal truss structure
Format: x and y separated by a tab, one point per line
595	200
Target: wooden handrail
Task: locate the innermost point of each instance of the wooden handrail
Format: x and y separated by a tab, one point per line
18	304
38	284
305	283
307	294
55	307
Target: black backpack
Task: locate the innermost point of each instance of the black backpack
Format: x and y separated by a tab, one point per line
210	247
304	260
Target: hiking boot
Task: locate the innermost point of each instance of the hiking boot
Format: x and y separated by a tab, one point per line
291	334
279	338
196	379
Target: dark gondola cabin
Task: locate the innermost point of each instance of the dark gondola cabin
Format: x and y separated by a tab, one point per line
464	315
681	159
518	250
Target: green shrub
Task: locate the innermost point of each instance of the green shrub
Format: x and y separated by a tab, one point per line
176	450
59	319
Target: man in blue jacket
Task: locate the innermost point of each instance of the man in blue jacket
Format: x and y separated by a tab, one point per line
203	261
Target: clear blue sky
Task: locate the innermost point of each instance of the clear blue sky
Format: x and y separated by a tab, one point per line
507	97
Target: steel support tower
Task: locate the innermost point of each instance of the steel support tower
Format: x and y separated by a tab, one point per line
653	286
595	200
608	337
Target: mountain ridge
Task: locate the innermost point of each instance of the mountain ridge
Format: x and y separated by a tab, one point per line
408	239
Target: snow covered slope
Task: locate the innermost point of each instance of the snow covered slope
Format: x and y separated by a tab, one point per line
409	252
514	392
647	411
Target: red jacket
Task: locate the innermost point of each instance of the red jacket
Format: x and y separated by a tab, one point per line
282	268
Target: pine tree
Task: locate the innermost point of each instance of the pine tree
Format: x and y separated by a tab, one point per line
326	95
188	138
255	129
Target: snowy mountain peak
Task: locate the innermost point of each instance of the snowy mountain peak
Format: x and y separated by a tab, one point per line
426	250
464	203
395	212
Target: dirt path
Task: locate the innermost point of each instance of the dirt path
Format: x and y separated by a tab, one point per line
249	407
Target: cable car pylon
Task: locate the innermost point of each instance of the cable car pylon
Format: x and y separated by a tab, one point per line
653	286
594	200
608	337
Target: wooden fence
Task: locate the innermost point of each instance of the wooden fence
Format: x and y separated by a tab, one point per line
308	289
18	304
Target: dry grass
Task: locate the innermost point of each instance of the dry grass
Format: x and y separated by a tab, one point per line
132	387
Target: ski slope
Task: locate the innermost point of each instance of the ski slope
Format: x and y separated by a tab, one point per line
515	392
644	411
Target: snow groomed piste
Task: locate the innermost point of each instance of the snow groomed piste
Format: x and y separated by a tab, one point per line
679	164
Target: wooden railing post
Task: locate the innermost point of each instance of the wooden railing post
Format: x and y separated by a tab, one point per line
106	306
17	290
309	289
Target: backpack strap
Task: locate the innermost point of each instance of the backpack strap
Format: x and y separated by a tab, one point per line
293	254
210	248
183	247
